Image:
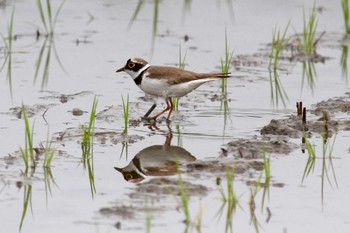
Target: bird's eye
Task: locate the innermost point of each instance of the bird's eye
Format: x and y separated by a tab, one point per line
131	65
128	176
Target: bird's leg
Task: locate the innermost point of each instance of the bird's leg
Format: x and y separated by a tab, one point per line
146	116
171	108
150	111
164	110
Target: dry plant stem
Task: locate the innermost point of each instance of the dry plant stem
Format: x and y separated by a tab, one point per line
304	116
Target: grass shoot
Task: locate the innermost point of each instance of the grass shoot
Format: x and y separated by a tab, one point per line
309	32
182	65
28	151
49	152
279	42
87	146
225	66
310	164
126	114
345	9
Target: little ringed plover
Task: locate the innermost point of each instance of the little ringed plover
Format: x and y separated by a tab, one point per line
165	81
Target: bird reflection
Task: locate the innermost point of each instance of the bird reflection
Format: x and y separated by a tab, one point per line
156	160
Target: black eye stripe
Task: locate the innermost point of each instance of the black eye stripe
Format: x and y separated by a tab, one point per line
136	67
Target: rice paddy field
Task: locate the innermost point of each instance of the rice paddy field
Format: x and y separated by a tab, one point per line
266	150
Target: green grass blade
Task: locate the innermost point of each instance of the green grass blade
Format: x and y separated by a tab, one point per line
49	14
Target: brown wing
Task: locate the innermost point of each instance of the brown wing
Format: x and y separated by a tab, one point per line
175	75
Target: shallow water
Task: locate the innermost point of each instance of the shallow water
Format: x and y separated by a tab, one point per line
92	40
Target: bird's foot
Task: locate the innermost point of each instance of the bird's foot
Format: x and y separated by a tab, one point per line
149	120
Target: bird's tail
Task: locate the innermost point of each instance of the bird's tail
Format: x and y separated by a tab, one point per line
215	75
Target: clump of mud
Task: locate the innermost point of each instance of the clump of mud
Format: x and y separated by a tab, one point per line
333	105
30	110
324	120
255	148
64	98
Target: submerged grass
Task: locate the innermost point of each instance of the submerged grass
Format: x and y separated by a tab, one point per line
87	147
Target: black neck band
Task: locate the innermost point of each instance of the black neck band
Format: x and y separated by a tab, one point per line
138	79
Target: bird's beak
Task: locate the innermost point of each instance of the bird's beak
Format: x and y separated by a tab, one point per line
119	169
120	70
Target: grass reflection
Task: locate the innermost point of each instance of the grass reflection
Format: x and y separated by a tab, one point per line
48	47
124	150
137	10
327	168
277	91
229	199
344	61
8	51
226	63
27	202
309	73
